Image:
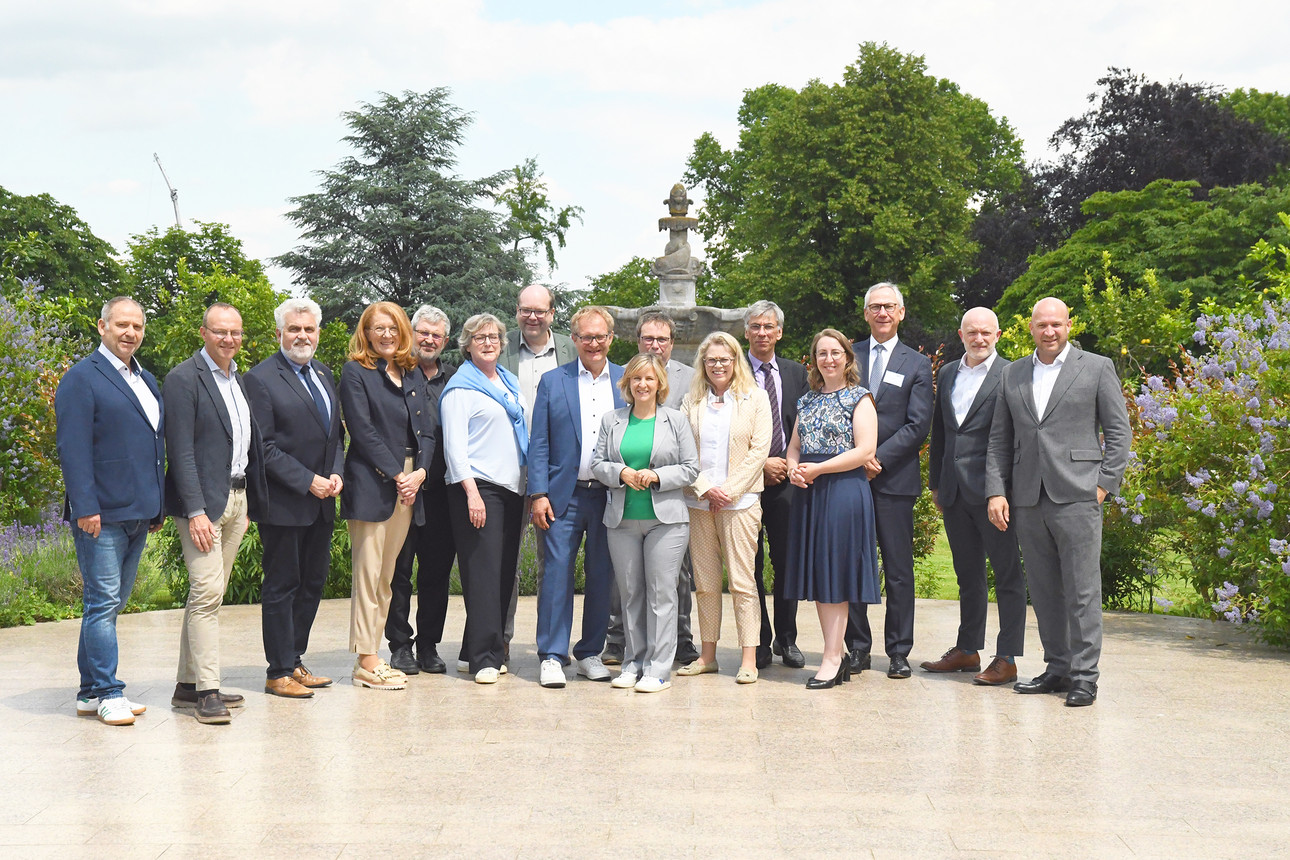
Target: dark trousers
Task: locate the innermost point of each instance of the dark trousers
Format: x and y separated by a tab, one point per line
972	539
295	561
486	560
894	519
776	502
434	549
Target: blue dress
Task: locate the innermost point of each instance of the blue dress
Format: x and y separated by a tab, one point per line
832	543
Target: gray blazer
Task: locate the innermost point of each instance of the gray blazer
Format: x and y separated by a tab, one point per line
679	377
1062	452
673	457
956	466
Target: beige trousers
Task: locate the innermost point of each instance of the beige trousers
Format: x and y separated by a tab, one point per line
729	537
374	549
208	574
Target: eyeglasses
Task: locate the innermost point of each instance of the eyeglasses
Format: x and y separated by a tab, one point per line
432	335
486	338
658	340
762	328
222	334
533	312
597	339
718	362
885	307
383	330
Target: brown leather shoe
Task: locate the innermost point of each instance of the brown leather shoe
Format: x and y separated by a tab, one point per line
954	660
287	688
305	678
1000	671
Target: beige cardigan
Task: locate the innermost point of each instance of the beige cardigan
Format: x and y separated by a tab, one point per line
749	442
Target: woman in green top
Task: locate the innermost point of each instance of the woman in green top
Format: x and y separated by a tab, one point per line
646	456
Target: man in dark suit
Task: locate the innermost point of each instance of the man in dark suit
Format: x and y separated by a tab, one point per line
965	397
294	401
900	379
112	451
784	382
430	544
1047	467
214	452
568	503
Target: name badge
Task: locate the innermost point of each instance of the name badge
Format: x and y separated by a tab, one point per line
891	378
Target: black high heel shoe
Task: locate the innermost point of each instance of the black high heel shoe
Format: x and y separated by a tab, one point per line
836	681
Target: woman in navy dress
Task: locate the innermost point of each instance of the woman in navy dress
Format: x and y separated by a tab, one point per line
832	545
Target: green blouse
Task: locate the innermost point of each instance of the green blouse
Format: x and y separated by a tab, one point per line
636	447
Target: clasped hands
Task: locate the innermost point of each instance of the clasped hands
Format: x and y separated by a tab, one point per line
638	480
326	488
409	484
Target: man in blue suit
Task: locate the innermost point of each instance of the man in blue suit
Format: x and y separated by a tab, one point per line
568	504
111	446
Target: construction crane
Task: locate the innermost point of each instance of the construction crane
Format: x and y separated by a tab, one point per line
174	194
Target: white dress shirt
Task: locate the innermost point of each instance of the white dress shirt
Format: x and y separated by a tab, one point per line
595	398
714	452
134	379
1044	376
888	348
967	382
239	412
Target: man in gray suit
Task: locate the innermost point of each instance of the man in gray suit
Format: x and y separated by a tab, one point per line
1046	467
213	453
965	397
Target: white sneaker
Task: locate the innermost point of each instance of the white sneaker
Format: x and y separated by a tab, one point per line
90	708
116	711
652	685
625	681
487	675
463	666
551	673
592	669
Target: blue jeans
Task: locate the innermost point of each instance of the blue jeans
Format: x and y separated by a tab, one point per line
108	564
583	518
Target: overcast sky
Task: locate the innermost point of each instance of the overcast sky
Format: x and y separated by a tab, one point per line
242	98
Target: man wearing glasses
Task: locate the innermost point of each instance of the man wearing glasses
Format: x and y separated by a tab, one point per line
214	476
430	544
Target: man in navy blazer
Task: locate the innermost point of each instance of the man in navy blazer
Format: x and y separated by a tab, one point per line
294	401
900	379
568	504
112	450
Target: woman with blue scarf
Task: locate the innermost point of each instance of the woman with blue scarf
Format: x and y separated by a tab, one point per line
485	443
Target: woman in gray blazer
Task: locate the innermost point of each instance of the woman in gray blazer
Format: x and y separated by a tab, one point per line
645	454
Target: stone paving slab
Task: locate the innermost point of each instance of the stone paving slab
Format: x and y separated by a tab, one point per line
1185	754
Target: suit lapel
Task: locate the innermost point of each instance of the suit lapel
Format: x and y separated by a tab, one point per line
114	376
569	383
946	393
206	377
988	385
1065	378
894	363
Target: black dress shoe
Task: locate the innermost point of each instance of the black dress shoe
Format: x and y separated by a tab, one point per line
790	653
401	658
859	660
1045	682
898	668
1082	694
430	662
764	657
211	710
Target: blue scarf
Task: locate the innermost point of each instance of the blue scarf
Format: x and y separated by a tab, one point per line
470	378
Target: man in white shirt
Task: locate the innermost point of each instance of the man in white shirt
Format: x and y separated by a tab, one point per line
213	453
965	398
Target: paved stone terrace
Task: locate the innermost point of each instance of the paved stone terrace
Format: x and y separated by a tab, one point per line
1185	754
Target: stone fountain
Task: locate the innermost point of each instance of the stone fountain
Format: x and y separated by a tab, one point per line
676	271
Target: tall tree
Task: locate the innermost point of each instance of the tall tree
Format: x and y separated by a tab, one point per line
396	223
835	187
154	264
533	217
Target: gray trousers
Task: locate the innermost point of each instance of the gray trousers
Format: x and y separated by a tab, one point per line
684	602
1061	545
647	560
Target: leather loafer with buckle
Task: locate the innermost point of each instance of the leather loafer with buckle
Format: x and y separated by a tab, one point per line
1000	671
898	668
789	653
1082	694
859	660
1045	682
954	660
287	688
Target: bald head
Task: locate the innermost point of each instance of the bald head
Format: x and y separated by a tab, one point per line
979	332
1050	326
534	315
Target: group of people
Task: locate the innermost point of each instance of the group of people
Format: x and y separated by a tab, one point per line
665	475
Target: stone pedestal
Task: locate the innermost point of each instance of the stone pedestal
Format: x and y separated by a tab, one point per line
693	324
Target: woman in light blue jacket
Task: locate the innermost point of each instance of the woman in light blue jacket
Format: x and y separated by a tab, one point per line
645	454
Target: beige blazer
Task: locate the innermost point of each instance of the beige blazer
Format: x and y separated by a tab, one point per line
750	431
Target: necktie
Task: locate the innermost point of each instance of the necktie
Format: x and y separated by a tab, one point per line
879	366
316	395
776	421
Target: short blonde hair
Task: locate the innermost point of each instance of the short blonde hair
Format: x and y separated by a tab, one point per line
742	380
634	367
575	322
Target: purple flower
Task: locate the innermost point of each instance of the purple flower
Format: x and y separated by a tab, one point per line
1224	552
1240	487
1163	602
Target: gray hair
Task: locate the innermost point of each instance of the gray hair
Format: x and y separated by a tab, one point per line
655	317
296	306
471	326
106	313
432	315
761	309
885	285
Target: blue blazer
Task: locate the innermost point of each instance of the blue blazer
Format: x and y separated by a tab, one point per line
113	462
554	452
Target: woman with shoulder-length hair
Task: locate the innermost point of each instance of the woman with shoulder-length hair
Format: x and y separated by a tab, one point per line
384	471
832	543
645	455
730	418
485	445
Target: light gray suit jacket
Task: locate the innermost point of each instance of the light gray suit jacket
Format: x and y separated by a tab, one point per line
679	377
1061	452
673	457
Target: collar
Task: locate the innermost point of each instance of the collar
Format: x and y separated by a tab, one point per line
983	367
889	345
583	371
550	345
117	363
215	368
757	363
1057	362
